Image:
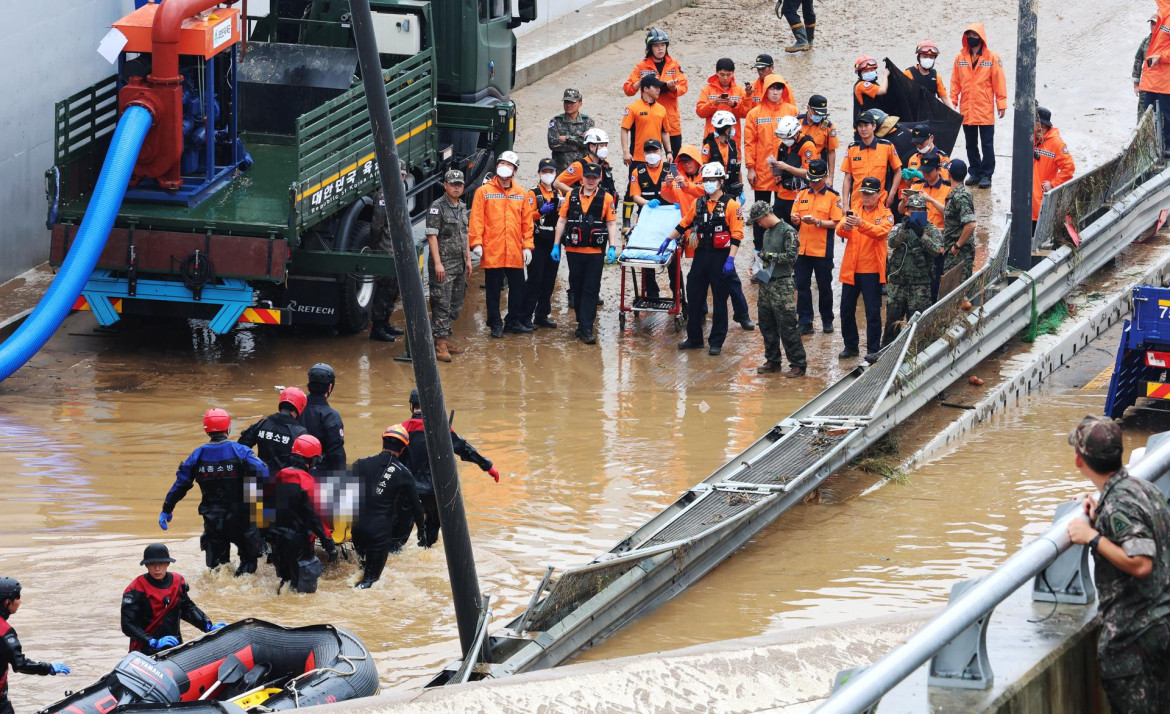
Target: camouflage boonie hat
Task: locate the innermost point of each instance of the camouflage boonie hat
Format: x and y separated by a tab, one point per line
453	176
916	202
571	95
1096	437
758	210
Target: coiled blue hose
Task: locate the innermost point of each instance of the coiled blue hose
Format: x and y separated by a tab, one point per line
87	247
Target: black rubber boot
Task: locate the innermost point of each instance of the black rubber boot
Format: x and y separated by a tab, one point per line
372	568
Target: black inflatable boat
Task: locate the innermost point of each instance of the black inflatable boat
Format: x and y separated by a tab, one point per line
248	666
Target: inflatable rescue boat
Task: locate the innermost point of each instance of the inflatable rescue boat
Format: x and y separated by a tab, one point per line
249	665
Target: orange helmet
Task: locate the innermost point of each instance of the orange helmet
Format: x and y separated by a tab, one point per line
864	62
295	397
927	47
307	446
395	431
216	420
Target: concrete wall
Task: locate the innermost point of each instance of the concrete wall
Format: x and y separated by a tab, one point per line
51	53
549	10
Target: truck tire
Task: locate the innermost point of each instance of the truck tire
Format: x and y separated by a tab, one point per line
357	291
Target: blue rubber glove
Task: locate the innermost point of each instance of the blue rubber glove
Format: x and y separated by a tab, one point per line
610	255
662	248
909	174
556	252
678	206
653	203
58	668
729	266
163	643
213	627
163	519
548	208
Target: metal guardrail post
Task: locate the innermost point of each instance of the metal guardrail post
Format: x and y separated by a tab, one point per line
963	662
1067	580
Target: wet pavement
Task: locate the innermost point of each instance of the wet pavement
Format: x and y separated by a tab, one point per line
590	440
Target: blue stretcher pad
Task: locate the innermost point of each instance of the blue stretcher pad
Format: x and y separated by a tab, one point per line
653	226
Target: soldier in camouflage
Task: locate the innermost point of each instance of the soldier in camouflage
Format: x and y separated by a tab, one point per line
450	263
776	302
959	223
913	246
1139	63
566	132
1128	532
385	286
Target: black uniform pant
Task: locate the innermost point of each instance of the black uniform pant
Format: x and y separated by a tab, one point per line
789	11
675	144
585	285
980	149
220	530
1163	102
6	706
289	548
868	287
542	278
495	278
807	266
431	524
707	274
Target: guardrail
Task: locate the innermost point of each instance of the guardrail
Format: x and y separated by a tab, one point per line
975	603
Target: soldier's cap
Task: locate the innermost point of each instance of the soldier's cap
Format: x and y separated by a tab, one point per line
916	202
591	170
921	133
819	105
763	61
1044	116
453	176
156	553
758	210
931	161
1096	437
546	165
868	117
572	95
817	169
870	184
651	81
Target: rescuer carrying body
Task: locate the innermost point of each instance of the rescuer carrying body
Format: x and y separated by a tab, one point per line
417	461
273	436
155	602
222	469
295	520
322	420
11	654
390	505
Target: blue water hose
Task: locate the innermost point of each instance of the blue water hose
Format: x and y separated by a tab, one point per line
87	247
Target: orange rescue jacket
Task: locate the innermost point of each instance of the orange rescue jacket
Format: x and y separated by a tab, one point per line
502	223
668	99
978	86
865	248
707	107
1050	162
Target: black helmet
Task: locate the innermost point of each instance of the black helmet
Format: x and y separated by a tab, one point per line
414	400
655	36
321	373
156	553
9	588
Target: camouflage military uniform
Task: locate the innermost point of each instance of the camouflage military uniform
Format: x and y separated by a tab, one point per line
449	223
909	269
573	147
385	286
1134	648
1139	61
776	303
958	211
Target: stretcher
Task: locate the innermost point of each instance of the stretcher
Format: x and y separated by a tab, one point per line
643	251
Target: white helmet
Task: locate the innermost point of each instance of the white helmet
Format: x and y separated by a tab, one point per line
714	170
722	118
510	157
787	127
596	136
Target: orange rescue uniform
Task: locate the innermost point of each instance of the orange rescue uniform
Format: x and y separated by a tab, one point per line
823	205
1157	78
671	71
644	121
876	160
978	86
865	248
940	89
607	214
734	218
824	135
939	192
502	223
707	105
1051	163
759	137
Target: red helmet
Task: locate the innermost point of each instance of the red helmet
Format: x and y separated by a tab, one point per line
216	420
307	446
295	397
927	47
864	62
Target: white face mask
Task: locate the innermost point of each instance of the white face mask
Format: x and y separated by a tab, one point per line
602	152
815	118
505	171
654	159
869	76
923	149
788	142
547	178
710	186
926	62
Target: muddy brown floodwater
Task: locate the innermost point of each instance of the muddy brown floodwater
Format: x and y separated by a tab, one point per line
590	440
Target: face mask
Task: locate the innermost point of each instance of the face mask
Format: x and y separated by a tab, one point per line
547	178
917	218
788	142
710	187
815	118
869	76
922	148
926	62
653	159
731	132
505	171
602	152
973	42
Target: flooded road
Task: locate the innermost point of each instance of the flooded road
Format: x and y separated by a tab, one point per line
590	440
